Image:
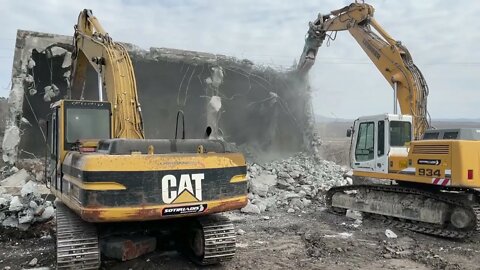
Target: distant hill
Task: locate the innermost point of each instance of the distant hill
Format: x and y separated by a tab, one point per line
325	119
336	128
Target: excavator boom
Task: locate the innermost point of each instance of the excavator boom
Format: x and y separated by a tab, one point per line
390	57
93	46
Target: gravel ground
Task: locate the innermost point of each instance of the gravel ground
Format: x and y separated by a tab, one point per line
313	239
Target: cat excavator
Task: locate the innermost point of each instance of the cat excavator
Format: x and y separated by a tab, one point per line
104	172
426	179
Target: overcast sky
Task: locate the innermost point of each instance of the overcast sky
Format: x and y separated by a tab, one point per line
442	36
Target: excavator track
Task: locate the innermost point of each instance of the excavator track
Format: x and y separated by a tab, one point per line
211	240
77	241
417	226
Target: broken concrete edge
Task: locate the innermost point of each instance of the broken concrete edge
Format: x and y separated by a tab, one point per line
27	41
22	201
21	66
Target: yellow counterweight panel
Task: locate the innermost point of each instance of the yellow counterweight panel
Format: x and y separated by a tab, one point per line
465	157
140	163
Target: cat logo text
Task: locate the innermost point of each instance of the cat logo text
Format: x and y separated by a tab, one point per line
186	188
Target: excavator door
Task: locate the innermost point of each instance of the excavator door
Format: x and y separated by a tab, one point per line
74	123
375	138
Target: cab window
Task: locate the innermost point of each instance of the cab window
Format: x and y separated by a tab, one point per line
83	123
400	133
364	150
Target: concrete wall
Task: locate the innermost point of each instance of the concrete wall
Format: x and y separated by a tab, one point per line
264	111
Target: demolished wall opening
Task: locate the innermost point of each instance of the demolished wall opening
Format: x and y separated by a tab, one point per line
260	109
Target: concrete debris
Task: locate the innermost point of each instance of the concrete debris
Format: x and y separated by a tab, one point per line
25	121
33	262
67	60
10	222
29	79
260	184
15	204
24	211
18	179
353	214
240	232
21	202
47	213
31	63
390	234
213	115
51	91
55	51
10	144
293	183
26	217
250	209
29	188
216	79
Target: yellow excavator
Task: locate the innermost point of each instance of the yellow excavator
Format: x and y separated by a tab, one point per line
110	180
435	172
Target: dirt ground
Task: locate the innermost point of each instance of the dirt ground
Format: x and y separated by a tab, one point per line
279	240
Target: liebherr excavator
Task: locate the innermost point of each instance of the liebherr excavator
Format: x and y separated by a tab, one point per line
105	173
435	172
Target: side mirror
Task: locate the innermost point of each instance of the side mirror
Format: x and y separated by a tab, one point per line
349	132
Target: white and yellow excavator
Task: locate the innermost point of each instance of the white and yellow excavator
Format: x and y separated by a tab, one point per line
110	180
435	172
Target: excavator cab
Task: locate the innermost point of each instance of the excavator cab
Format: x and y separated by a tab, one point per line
377	139
76	125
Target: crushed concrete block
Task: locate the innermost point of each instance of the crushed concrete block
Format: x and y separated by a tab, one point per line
23	227
353	214
3	202
67	61
10	143
47	214
306	202
296	203
31	63
390	234
10	221
18	179
15	204
26	217
33	262
250	208
51	91
29	188
55	51
122	248
33	205
240	232
32	91
261	184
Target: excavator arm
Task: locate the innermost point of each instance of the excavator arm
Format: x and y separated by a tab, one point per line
390	57
93	46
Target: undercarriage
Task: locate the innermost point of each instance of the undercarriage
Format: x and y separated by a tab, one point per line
445	212
205	240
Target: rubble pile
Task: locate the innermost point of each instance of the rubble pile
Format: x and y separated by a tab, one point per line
22	198
291	184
